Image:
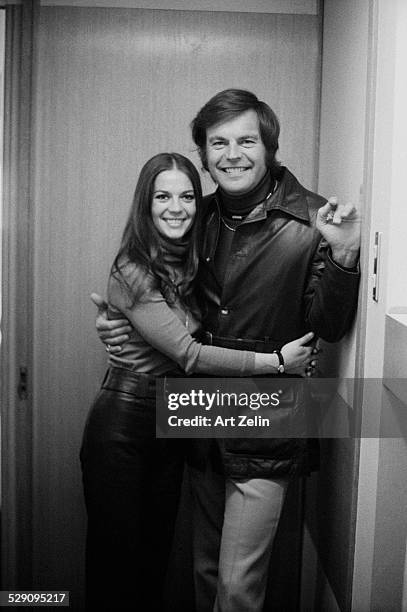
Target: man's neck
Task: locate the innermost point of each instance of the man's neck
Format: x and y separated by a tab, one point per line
238	206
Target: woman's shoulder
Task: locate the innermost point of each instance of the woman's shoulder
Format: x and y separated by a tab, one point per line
128	271
128	283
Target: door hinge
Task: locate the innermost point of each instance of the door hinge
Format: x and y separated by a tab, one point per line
376	265
22	383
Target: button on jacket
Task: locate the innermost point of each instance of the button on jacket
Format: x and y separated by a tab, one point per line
279	283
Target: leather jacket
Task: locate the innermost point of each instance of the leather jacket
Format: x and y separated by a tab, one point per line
280	282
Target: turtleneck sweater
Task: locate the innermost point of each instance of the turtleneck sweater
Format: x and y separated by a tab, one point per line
234	208
174	250
238	206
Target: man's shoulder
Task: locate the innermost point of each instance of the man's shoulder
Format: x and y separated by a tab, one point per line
313	201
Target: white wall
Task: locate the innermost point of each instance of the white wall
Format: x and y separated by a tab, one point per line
364	142
390	528
381	528
343	108
397	200
330	519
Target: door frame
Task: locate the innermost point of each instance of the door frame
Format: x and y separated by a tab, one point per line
17	297
18	274
382	198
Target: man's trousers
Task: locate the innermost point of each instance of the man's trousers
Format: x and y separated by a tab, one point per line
235	522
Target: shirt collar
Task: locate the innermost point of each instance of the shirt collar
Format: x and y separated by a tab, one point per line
290	197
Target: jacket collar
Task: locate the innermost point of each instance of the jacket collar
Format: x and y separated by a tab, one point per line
289	197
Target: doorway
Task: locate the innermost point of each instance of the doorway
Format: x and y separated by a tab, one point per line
110	87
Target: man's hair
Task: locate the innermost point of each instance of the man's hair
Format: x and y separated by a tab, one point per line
229	104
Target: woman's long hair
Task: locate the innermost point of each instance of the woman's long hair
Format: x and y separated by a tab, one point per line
141	243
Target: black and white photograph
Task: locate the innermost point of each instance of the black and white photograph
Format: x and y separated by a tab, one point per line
203	319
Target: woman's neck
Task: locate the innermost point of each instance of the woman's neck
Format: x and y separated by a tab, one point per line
174	251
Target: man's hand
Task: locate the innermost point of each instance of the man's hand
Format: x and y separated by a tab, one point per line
339	224
111	332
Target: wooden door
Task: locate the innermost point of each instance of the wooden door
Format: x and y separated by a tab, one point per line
113	86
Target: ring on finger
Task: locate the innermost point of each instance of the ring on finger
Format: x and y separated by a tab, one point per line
108	348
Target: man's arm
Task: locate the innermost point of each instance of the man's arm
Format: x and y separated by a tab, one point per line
332	290
111	332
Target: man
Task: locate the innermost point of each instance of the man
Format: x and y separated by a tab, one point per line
277	261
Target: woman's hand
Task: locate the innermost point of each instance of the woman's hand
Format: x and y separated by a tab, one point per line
297	355
112	333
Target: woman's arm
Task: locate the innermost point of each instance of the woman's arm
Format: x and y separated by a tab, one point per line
160	327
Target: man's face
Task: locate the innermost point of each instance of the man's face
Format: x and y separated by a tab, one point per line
235	153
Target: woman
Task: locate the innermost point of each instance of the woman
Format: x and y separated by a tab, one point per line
131	479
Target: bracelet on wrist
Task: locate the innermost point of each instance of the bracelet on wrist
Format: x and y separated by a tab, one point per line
281	366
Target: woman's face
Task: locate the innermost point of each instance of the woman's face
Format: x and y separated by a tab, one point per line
173	207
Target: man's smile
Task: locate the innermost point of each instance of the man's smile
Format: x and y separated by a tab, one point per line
235	169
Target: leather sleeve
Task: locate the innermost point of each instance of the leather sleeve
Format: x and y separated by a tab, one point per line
331	296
